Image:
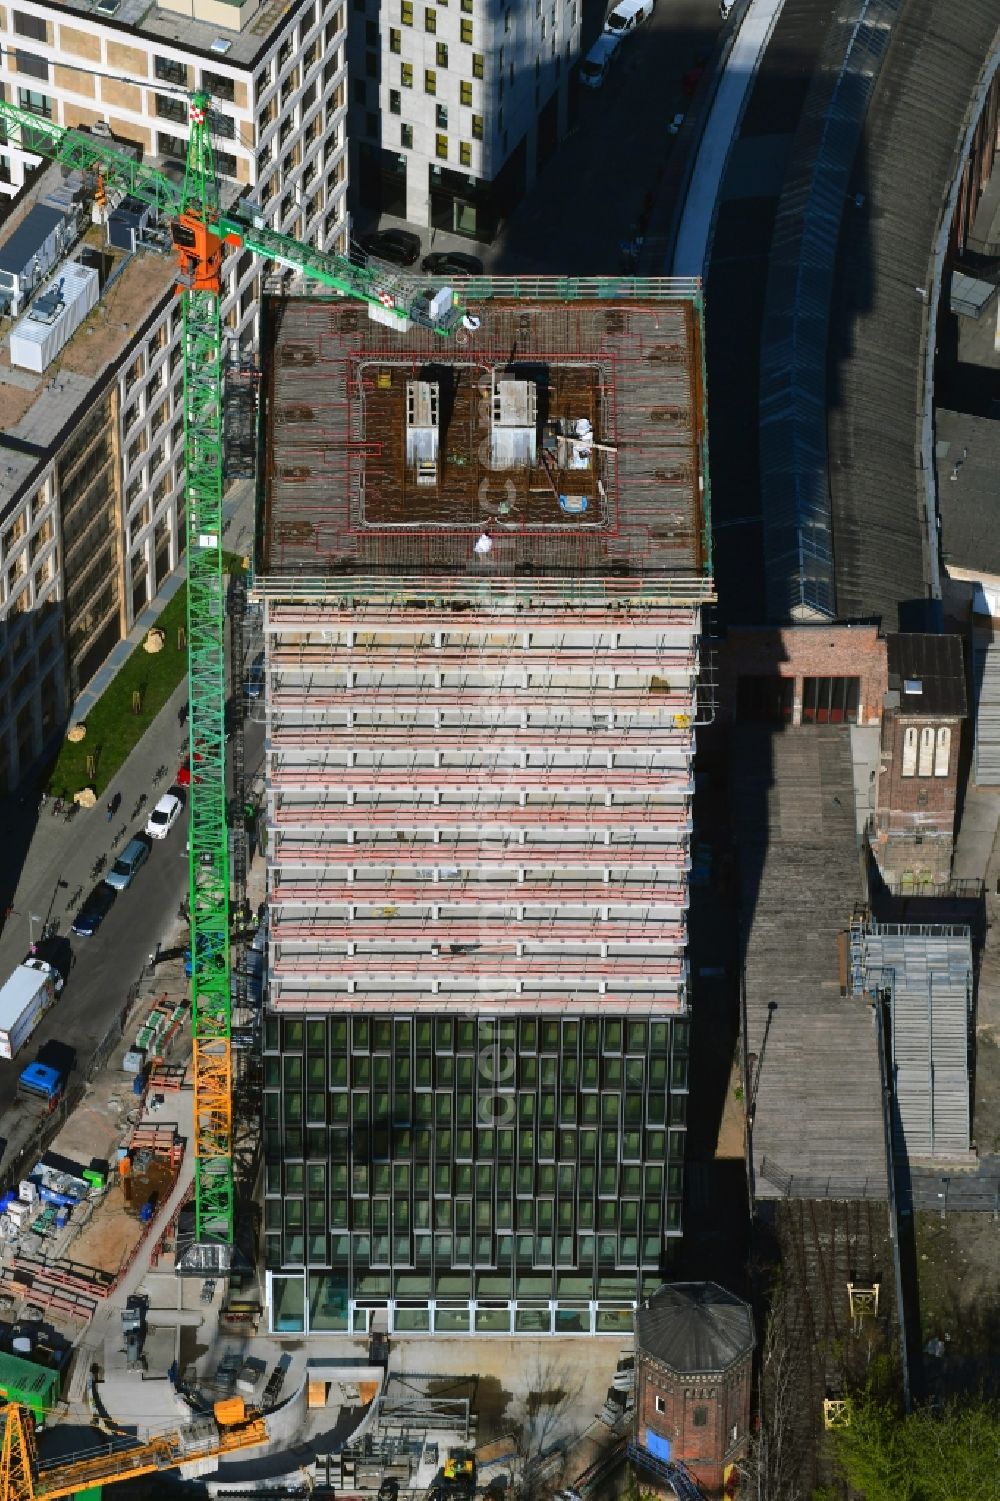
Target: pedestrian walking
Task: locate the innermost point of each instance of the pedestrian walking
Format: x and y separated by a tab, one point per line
111	813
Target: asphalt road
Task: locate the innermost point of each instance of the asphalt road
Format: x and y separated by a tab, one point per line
58	864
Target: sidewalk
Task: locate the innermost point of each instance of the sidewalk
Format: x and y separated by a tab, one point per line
237	512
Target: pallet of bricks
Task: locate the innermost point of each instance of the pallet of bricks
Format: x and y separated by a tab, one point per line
160	1029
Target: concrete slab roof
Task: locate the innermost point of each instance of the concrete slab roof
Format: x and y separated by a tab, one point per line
339	497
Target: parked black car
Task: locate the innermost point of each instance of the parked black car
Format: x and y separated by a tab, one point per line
94	910
451	263
396	245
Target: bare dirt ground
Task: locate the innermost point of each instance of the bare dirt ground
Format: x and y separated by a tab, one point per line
731	1140
114	1230
957	1260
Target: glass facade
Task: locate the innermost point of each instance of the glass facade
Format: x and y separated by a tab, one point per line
470	1173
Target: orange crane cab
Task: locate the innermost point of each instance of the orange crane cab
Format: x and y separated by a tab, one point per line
199	254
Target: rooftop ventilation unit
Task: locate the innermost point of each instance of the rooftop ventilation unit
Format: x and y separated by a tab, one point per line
48	304
127	224
220	46
55	315
107	7
423	417
514	425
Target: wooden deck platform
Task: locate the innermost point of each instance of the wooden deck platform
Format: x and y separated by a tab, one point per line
817	1127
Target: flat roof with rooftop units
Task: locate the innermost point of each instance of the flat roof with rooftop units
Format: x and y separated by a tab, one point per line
557	435
217	29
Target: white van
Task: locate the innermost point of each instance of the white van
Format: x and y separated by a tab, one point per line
626	16
594	68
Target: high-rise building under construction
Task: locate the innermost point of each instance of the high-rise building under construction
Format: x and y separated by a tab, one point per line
483	563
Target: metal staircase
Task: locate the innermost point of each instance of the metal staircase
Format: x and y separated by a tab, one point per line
674	1473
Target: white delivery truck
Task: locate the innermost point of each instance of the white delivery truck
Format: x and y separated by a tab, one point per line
23	1000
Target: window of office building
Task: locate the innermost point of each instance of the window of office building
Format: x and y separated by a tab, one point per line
521	1158
168	70
30	26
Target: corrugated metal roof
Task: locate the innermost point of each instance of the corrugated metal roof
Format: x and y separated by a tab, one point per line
694	1327
28	237
986	676
927	971
20	1377
914	148
817	1093
795	485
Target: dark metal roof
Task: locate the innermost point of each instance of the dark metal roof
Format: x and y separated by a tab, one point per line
734	307
911	153
933	662
694	1327
795	484
28	237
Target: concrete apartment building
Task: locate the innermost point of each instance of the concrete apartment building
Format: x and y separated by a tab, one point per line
456	104
482	575
91	453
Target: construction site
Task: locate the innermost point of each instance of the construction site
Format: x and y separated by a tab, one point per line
482	553
482	566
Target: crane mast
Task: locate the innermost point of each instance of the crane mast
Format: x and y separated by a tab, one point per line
199	230
200	253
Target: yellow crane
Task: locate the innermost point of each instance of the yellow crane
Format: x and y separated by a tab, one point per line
189	1449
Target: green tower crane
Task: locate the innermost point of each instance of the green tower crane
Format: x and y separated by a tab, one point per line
199	229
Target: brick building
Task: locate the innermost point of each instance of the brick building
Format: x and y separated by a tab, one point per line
917	794
693	1353
903	697
819	674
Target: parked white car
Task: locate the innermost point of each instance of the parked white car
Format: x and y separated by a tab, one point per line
164	816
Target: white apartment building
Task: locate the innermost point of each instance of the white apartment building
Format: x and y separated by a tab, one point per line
472	99
277	75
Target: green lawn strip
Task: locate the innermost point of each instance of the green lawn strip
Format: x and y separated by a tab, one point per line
113	730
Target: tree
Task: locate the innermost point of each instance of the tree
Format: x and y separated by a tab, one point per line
545	1419
771	1469
945	1453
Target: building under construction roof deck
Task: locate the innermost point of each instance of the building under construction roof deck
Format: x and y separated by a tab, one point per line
570	432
